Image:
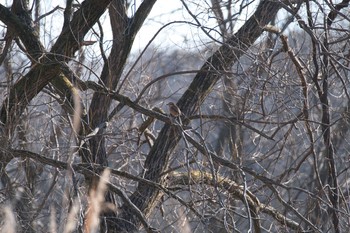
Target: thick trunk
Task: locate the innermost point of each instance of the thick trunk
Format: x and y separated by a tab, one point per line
157	160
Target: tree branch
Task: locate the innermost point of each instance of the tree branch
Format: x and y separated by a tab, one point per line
157	160
175	178
237	191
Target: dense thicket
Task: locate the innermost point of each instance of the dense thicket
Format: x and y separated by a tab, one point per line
88	144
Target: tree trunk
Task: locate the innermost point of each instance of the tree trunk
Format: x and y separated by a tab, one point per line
157	160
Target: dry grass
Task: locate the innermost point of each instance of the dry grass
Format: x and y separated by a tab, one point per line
9	220
96	201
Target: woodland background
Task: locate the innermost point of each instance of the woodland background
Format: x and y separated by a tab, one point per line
87	144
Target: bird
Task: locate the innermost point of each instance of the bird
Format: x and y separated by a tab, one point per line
176	114
174	110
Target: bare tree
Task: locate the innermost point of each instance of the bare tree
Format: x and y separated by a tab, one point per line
88	144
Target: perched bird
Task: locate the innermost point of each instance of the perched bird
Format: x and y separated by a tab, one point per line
174	110
176	113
